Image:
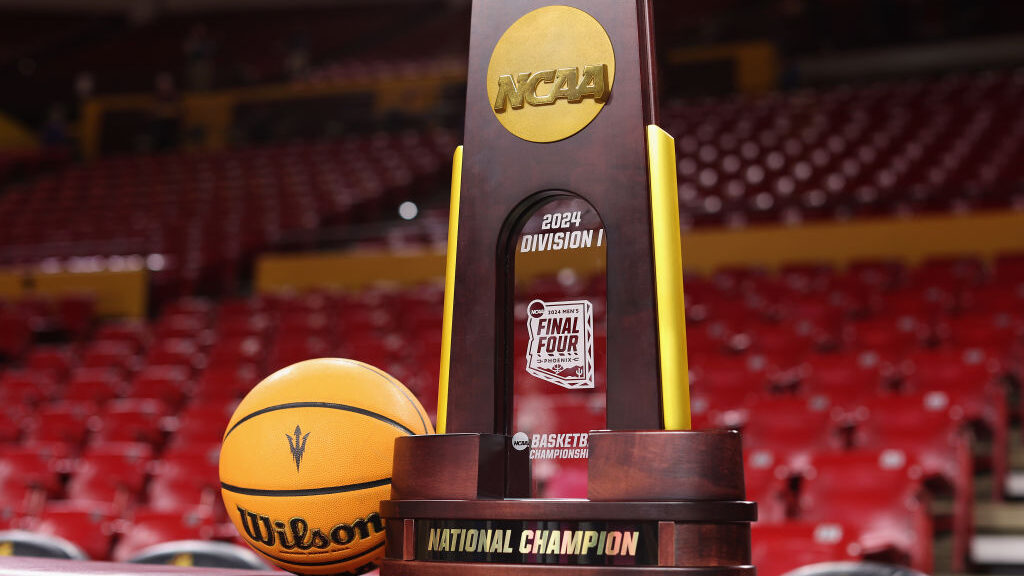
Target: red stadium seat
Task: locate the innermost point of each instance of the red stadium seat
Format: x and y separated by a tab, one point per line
94	385
793	427
1003	298
62	423
185	325
167	383
151	406
15	333
175	493
115	354
715	373
969	378
889	335
10	428
190	461
780	342
990	331
929	428
767	483
149	527
58	361
777	549
231	351
76	314
226	382
127	426
878	494
1009	269
27	386
21	471
134	333
176	352
841	373
89	525
114	472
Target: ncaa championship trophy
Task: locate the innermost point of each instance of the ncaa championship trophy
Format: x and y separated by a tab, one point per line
565	171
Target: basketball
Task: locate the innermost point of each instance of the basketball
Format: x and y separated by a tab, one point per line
306	461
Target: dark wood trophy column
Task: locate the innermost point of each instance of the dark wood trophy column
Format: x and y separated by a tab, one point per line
563	161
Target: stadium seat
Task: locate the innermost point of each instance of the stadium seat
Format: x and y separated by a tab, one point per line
226	382
93	384
181	325
15	333
76	314
176	492
125	425
778	548
929	428
968	377
22	470
116	354
176	352
839	373
879	495
57	360
190	461
135	333
167	383
149	527
894	336
113	472
795	428
1000	332
28	386
767	483
88	524
65	423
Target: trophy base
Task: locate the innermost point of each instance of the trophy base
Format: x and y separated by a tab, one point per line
396	568
660	502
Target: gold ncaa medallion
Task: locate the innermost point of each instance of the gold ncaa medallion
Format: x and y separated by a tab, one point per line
550	74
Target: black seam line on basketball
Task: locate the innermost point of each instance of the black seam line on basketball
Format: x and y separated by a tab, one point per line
306	491
327	563
391	380
330	405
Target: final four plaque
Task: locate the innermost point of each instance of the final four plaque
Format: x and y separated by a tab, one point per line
563	440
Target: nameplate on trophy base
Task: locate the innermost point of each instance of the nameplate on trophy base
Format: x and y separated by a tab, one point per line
572	543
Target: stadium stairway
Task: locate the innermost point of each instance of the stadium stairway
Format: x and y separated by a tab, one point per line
998	544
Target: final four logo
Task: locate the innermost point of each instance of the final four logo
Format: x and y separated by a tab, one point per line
561	348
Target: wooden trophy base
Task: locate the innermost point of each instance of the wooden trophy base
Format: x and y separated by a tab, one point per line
659	503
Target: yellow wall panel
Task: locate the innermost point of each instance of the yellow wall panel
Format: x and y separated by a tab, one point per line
11	284
117	293
296	272
985	235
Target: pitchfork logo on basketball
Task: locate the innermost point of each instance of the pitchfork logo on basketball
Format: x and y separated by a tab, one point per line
561	348
297	446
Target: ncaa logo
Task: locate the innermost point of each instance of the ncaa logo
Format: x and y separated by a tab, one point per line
520	441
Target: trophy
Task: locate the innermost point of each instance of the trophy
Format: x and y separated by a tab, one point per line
563	369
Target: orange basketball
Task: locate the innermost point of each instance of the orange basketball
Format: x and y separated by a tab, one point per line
306	461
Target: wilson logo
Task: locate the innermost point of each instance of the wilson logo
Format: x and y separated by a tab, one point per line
297	445
295	533
566	84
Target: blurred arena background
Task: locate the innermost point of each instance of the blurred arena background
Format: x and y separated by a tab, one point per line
195	193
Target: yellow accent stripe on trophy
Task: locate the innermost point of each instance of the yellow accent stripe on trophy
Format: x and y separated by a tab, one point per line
449	292
668	280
